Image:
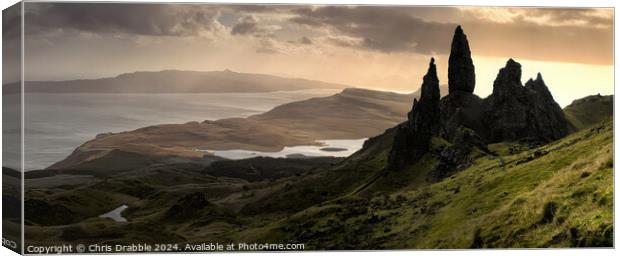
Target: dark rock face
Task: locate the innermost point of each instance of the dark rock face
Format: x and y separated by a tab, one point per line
412	139
461	73
547	113
540	87
456	157
460	109
508	80
513	112
522	113
451	160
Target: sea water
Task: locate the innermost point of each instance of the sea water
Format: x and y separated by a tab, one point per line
337	148
56	124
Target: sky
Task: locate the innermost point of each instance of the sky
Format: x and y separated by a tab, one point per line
377	47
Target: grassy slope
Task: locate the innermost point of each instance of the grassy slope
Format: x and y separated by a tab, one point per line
527	199
560	196
589	110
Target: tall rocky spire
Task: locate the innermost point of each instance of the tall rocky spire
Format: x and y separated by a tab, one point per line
461	72
413	137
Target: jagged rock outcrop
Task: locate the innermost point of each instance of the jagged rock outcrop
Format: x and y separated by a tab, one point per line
513	112
456	157
539	86
522	113
450	160
413	137
549	116
461	72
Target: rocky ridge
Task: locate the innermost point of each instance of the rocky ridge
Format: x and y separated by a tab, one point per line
522	113
513	112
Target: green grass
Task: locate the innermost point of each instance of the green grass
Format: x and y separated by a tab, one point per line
560	199
590	110
558	195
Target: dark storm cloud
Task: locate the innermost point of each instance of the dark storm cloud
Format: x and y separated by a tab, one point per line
386	29
303	40
562	34
258	8
11	48
587	17
246	25
11	22
251	26
557	34
138	19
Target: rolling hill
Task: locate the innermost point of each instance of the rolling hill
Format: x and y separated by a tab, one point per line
350	114
589	110
175	81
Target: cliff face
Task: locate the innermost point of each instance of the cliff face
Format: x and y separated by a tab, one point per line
513	112
412	139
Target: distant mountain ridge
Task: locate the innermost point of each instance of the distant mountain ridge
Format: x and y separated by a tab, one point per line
176	81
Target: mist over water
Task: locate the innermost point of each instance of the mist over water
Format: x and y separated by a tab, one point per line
55	124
